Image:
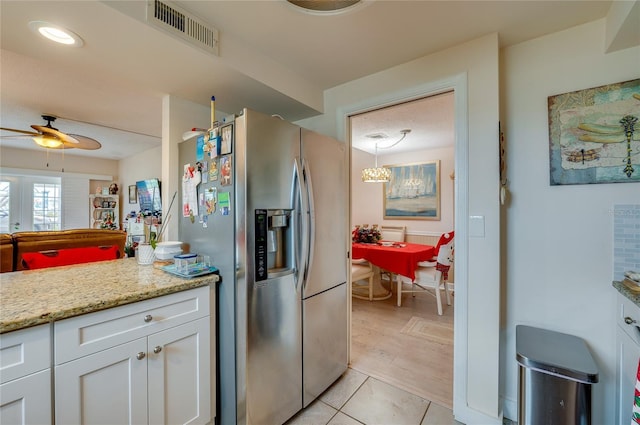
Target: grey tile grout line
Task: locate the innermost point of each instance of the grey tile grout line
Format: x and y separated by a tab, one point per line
351	396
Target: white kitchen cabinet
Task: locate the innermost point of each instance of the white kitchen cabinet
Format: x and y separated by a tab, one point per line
26	400
178	360
147	362
628	354
108	387
25	376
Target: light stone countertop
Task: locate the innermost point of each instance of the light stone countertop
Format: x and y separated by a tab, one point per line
631	295
32	297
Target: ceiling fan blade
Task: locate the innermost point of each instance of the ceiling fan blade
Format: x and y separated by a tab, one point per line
85	142
66	139
31	133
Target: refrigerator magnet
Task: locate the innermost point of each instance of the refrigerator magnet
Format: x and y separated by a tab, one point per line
226	139
205	171
225	204
225	170
213	170
210	200
200	148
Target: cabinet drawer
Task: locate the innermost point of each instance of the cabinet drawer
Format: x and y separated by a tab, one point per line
24	352
628	311
79	336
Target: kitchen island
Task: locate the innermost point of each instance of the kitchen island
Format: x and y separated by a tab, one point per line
29	298
73	337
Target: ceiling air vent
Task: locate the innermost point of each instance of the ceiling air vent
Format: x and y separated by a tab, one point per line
177	21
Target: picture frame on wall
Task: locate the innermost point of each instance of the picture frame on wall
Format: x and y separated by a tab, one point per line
413	192
133	194
594	135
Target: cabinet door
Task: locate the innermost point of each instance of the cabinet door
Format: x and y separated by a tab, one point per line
26	400
108	387
627	365
179	374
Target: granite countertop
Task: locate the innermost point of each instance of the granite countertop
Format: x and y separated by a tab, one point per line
633	296
32	297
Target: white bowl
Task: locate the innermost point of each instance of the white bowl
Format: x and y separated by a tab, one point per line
169	244
167	250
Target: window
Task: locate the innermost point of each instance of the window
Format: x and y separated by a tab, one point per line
30	203
4	206
47	206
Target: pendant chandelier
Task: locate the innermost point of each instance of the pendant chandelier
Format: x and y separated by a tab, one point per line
380	174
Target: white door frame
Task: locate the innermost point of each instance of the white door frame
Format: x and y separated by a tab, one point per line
457	83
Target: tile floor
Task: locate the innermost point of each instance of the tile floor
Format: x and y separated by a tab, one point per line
357	399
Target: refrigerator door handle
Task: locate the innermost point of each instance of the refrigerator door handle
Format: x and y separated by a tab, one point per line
303	248
311	229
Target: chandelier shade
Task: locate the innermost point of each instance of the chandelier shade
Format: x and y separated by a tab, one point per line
376	175
380	174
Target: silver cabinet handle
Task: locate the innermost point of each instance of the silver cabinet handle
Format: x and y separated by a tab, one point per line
148	318
140	355
629	321
157	349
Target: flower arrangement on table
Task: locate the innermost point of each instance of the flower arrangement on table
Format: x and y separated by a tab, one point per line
364	234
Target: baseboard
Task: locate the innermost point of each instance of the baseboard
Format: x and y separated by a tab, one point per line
510	409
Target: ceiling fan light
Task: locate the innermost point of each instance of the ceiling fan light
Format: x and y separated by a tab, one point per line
56	33
376	175
47	141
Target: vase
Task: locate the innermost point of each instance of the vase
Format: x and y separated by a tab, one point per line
146	254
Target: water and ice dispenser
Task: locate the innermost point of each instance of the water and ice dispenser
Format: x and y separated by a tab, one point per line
274	243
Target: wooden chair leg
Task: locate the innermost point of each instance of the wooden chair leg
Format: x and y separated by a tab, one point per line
371	288
399	291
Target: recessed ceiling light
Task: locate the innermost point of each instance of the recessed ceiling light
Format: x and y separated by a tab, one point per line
56	33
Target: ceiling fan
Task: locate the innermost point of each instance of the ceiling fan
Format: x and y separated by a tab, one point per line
51	138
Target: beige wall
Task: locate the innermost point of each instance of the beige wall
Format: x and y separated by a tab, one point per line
558	256
38	159
366	198
476	389
145	165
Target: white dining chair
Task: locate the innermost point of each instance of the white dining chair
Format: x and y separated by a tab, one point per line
393	233
431	275
361	270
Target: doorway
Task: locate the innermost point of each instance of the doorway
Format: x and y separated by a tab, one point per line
458	83
410	347
30	203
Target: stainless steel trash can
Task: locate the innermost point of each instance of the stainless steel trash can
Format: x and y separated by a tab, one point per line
556	372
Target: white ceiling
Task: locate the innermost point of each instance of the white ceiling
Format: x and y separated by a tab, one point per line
272	58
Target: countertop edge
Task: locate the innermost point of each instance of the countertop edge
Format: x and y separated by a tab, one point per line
103	305
35	297
629	294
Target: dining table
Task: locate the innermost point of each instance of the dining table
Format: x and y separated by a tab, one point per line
400	258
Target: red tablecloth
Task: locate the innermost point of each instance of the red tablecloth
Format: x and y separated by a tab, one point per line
401	260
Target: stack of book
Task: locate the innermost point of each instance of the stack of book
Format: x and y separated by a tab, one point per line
632	280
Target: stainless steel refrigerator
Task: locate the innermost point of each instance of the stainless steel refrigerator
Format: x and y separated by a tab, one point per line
280	247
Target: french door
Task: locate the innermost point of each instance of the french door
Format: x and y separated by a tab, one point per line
30	203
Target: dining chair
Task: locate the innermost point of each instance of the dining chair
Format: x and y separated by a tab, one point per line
393	233
361	269
431	275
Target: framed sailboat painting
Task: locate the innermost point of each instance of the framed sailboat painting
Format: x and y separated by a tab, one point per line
413	192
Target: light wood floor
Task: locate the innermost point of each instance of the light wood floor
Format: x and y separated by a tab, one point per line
410	347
